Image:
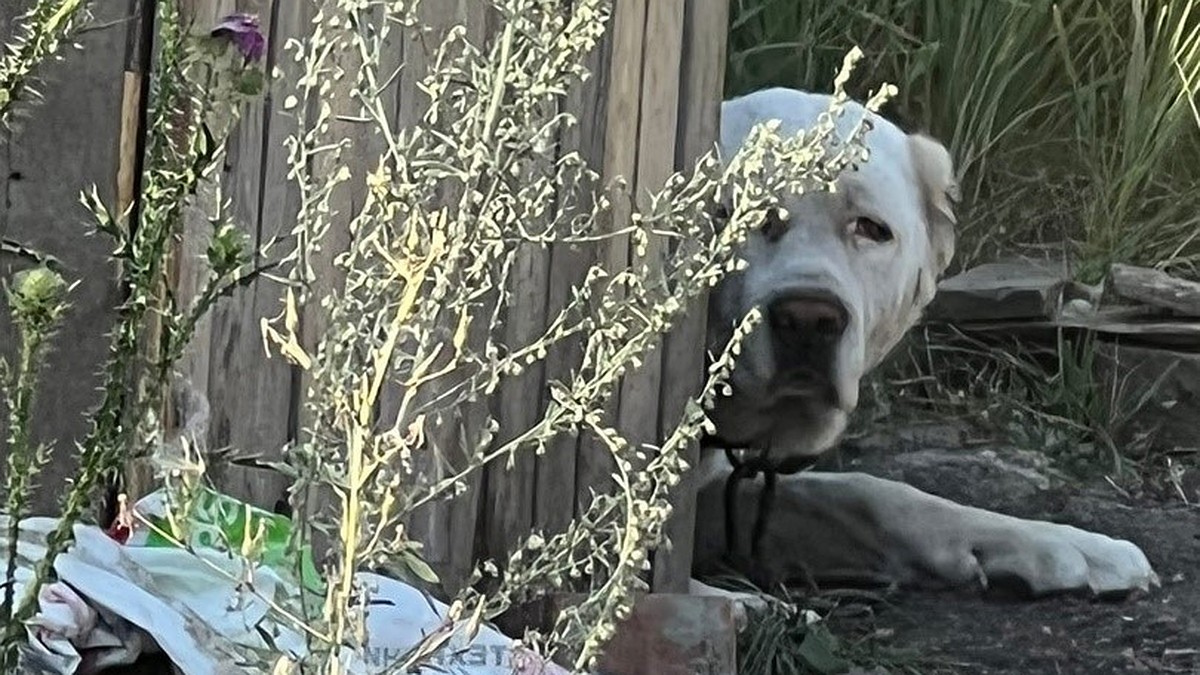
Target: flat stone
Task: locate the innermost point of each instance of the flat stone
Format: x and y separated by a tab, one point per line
1117	322
1156	288
1015	289
1168	380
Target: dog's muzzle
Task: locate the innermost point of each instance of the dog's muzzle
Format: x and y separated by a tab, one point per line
806	328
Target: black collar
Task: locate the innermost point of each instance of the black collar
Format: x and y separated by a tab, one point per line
748	462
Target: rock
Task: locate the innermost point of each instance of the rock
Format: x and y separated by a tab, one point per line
1156	288
1117	322
1036	299
1135	322
917	436
1169	383
933	458
1078	308
670	634
1017	289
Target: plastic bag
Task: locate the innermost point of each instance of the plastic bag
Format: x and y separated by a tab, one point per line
210	608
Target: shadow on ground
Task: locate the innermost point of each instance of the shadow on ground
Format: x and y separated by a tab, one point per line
1155	632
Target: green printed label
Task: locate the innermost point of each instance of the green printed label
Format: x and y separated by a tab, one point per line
220	522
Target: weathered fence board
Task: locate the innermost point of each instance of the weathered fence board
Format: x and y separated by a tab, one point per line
698	126
557	469
448	529
521	400
59	147
626	33
251	396
649	109
189	264
658	103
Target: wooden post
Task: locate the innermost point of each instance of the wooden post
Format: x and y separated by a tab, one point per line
650	109
252	397
138	474
559	470
449	530
664	87
702	81
138	46
620	101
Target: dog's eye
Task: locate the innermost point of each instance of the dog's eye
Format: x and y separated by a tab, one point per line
870	229
720	213
775	226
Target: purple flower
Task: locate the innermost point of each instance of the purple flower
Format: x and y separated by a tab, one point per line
243	30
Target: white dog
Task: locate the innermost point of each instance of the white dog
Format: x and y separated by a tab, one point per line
839	283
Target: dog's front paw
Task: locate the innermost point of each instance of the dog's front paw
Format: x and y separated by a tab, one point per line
1052	558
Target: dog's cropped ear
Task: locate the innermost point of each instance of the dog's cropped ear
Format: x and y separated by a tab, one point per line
935	177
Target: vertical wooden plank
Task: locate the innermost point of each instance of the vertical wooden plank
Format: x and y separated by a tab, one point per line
344	202
519	403
191	276
250	394
702	82
63	145
360	156
430	524
455	524
554	504
138	472
627	30
447	529
189	265
659	103
462	518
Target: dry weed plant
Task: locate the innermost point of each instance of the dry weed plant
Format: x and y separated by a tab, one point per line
397	331
449	203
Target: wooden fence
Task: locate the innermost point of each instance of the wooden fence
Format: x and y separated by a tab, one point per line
650	108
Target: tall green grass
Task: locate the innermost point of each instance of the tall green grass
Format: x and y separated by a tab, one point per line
1132	77
1071	122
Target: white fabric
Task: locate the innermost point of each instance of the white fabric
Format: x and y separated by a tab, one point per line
108	593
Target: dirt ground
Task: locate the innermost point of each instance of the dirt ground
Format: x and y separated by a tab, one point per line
947	632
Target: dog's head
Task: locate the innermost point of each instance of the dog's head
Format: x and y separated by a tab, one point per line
838	282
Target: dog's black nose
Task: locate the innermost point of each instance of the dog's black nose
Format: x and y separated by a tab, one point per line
806	329
807	321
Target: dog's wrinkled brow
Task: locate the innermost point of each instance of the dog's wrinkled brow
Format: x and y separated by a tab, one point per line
856	197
